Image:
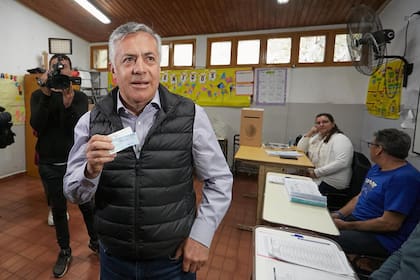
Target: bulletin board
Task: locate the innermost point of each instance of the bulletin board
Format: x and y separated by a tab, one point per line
207	87
270	85
384	91
11	97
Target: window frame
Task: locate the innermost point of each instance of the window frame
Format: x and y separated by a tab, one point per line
172	44
294	53
92	57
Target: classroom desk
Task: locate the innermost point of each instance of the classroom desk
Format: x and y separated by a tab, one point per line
280	210
326	251
258	155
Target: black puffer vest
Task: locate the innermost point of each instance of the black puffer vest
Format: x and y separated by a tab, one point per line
145	207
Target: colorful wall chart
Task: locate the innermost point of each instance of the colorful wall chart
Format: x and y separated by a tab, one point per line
11	97
384	90
206	87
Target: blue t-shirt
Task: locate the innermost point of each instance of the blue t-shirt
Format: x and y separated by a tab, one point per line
396	190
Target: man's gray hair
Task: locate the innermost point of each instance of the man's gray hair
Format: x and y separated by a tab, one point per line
123	30
395	142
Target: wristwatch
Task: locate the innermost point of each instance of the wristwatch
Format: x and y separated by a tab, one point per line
40	82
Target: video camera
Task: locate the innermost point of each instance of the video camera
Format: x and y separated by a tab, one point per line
6	134
58	80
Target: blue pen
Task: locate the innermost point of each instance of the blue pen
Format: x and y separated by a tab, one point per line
300	237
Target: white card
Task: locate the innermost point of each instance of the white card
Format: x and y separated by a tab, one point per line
122	139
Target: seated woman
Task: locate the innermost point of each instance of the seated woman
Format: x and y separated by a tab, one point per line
331	152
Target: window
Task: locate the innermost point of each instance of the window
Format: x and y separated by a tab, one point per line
220	53
279	50
99	57
183	54
312	49
341	51
301	49
164	56
178	54
248	52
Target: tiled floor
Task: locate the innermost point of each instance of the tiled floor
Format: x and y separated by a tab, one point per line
28	247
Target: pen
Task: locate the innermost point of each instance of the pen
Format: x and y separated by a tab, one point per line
274	273
300	237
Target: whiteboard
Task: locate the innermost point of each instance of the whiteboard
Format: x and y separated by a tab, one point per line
416	140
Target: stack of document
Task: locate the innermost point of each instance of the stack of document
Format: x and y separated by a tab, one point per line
284	154
291	255
304	191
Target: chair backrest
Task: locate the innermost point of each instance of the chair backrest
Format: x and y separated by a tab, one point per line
360	166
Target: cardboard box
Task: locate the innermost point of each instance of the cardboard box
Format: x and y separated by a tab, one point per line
251	127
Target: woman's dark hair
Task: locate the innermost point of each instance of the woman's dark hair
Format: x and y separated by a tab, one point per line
333	130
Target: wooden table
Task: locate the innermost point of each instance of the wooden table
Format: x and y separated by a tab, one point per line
258	155
277	208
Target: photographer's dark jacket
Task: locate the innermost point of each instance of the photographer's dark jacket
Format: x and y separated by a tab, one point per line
145	206
54	124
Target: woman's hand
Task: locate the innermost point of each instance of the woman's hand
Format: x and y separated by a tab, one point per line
311	132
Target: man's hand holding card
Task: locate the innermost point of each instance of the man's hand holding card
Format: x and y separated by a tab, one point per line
122	139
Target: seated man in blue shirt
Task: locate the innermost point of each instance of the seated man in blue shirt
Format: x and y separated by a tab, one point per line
380	218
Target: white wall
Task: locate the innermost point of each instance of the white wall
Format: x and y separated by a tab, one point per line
24	38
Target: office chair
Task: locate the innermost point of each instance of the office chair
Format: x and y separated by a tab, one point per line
360	166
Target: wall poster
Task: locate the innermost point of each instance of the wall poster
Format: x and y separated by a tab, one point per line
384	91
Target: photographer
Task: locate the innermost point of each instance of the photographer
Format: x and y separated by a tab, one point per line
55	109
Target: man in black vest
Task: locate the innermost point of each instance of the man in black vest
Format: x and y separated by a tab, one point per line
146	215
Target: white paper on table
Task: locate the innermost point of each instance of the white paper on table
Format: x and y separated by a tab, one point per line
311	254
283	153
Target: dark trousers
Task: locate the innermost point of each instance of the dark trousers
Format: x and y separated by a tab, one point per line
52	178
360	242
335	198
113	268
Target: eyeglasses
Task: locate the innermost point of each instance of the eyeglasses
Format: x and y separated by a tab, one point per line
370	144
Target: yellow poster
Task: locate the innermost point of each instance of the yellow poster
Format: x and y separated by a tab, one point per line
11	97
384	91
206	87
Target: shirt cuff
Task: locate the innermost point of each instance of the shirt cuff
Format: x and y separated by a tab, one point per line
91	183
202	232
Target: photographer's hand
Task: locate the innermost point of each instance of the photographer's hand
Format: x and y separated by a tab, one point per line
42	82
68	95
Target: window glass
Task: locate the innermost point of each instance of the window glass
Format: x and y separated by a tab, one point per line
248	52
279	50
183	54
164	59
99	57
220	53
312	49
341	51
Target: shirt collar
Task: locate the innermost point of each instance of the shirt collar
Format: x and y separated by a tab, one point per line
155	102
